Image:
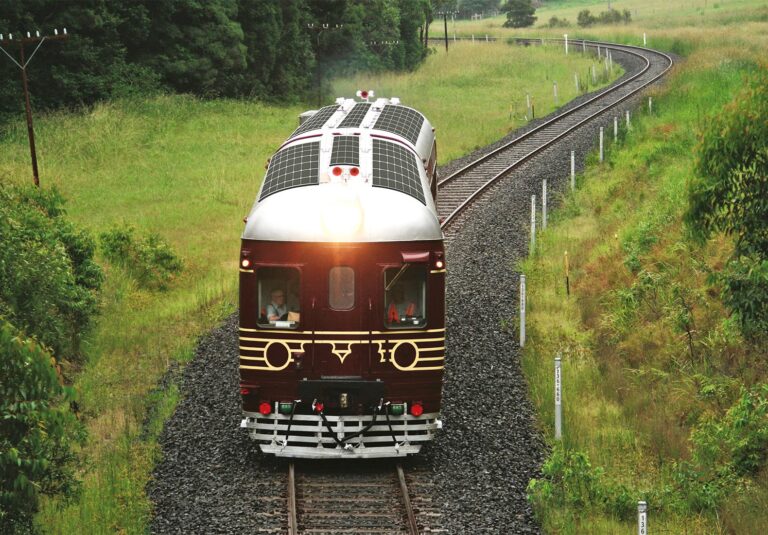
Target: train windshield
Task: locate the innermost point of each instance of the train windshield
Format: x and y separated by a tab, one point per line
279	297
405	296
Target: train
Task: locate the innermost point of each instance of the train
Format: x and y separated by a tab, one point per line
342	287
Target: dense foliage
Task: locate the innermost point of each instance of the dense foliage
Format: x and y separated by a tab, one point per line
730	194
150	260
37	430
519	13
585	18
269	49
48	279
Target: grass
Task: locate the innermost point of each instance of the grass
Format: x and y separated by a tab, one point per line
189	170
649	352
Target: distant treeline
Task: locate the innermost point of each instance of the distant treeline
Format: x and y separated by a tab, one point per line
268	49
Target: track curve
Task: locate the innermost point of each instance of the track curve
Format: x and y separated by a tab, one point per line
472	479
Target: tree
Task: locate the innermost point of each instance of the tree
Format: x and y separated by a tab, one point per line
585	18
519	13
37	430
729	194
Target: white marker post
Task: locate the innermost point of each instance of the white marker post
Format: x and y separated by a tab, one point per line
576	81
601	143
642	518
554	88
650	105
522	310
583	46
573	170
558	400
598	52
645	42
544	204
594	76
615	129
533	223
565	36
629	125
528	106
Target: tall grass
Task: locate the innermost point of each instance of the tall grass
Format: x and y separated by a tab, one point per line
634	386
189	170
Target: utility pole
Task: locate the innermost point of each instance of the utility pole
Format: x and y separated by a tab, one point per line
22	65
320	28
445	14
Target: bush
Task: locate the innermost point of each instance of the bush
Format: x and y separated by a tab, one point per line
150	259
730	194
569	480
48	279
585	18
37	430
554	22
612	16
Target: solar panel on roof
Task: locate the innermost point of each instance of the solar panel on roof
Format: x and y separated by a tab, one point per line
292	167
317	120
346	150
401	121
356	115
394	167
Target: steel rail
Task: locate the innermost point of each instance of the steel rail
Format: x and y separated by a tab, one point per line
611	91
413	528
293	524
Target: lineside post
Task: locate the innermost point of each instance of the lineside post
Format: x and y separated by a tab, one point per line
544	204
650	105
629	125
565	36
533	223
615	129
642	518
554	88
573	170
558	400
601	144
522	310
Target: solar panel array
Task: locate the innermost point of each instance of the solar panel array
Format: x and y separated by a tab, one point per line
346	150
401	121
394	167
292	167
317	120
355	115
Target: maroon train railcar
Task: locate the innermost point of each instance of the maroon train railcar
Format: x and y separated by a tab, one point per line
342	288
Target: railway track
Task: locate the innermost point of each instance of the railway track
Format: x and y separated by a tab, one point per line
374	498
381	497
464	187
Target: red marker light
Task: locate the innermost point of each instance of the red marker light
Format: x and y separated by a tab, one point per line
265	408
245	391
364	94
319	407
417	409
336	171
354	171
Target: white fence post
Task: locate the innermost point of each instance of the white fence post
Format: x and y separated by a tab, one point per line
554	88
598	52
645	41
558	399
650	105
573	170
642	518
528	106
544	204
565	35
594	77
576	80
601	143
533	223
522	310
629	125
615	129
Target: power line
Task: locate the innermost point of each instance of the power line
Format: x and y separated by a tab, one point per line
22	65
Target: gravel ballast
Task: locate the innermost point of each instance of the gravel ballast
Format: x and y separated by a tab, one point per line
212	479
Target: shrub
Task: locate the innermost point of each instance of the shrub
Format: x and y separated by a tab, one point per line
729	194
585	18
37	430
570	480
150	259
48	279
554	22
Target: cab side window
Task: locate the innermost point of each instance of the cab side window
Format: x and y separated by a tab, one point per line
279	297
405	296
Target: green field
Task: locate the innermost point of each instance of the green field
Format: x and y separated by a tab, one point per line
189	170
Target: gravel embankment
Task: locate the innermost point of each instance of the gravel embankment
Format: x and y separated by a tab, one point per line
213	480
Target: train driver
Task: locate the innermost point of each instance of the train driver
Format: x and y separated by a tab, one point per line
277	310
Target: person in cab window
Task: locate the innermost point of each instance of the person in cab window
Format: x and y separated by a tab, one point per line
277	310
399	310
